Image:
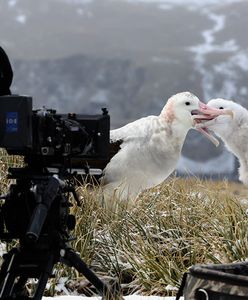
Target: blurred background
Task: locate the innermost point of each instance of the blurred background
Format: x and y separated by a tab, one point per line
131	56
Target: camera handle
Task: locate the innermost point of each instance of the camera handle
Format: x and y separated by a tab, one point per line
44	199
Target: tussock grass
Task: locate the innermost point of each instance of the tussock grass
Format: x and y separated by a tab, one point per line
146	245
6	162
149	243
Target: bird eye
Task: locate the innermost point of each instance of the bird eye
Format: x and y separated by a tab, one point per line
187	103
221	107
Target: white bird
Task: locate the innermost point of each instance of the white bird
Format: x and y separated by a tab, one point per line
233	131
149	148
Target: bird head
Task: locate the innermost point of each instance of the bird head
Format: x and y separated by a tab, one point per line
187	110
224	124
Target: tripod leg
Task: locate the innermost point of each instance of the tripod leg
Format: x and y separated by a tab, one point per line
41	285
4	268
9	271
74	259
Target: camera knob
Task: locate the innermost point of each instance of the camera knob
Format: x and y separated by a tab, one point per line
104	111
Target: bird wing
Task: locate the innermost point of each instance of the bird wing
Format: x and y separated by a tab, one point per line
126	141
137	130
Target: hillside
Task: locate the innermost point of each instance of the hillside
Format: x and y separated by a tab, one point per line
130	56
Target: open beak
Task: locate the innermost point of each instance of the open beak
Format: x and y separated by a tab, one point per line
206	113
207	134
209	113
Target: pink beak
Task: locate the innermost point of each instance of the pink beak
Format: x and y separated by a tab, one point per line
209	113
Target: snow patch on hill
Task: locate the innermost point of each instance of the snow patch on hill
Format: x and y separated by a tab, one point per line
191	3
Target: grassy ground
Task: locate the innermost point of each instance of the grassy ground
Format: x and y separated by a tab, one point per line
147	245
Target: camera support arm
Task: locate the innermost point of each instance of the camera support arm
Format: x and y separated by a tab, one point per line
45	199
45	195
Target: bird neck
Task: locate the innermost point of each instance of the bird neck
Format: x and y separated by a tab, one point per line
179	130
174	129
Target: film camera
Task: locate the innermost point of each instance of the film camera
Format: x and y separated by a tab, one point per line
36	209
48	139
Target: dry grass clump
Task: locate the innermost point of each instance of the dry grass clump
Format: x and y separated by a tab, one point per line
147	245
6	162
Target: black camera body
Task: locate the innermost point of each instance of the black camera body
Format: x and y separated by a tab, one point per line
52	139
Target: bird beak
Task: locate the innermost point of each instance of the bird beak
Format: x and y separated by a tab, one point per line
206	113
204	131
209	113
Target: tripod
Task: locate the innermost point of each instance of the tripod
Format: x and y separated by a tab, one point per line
36	211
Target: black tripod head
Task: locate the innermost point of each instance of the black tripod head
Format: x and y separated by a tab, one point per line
37	205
